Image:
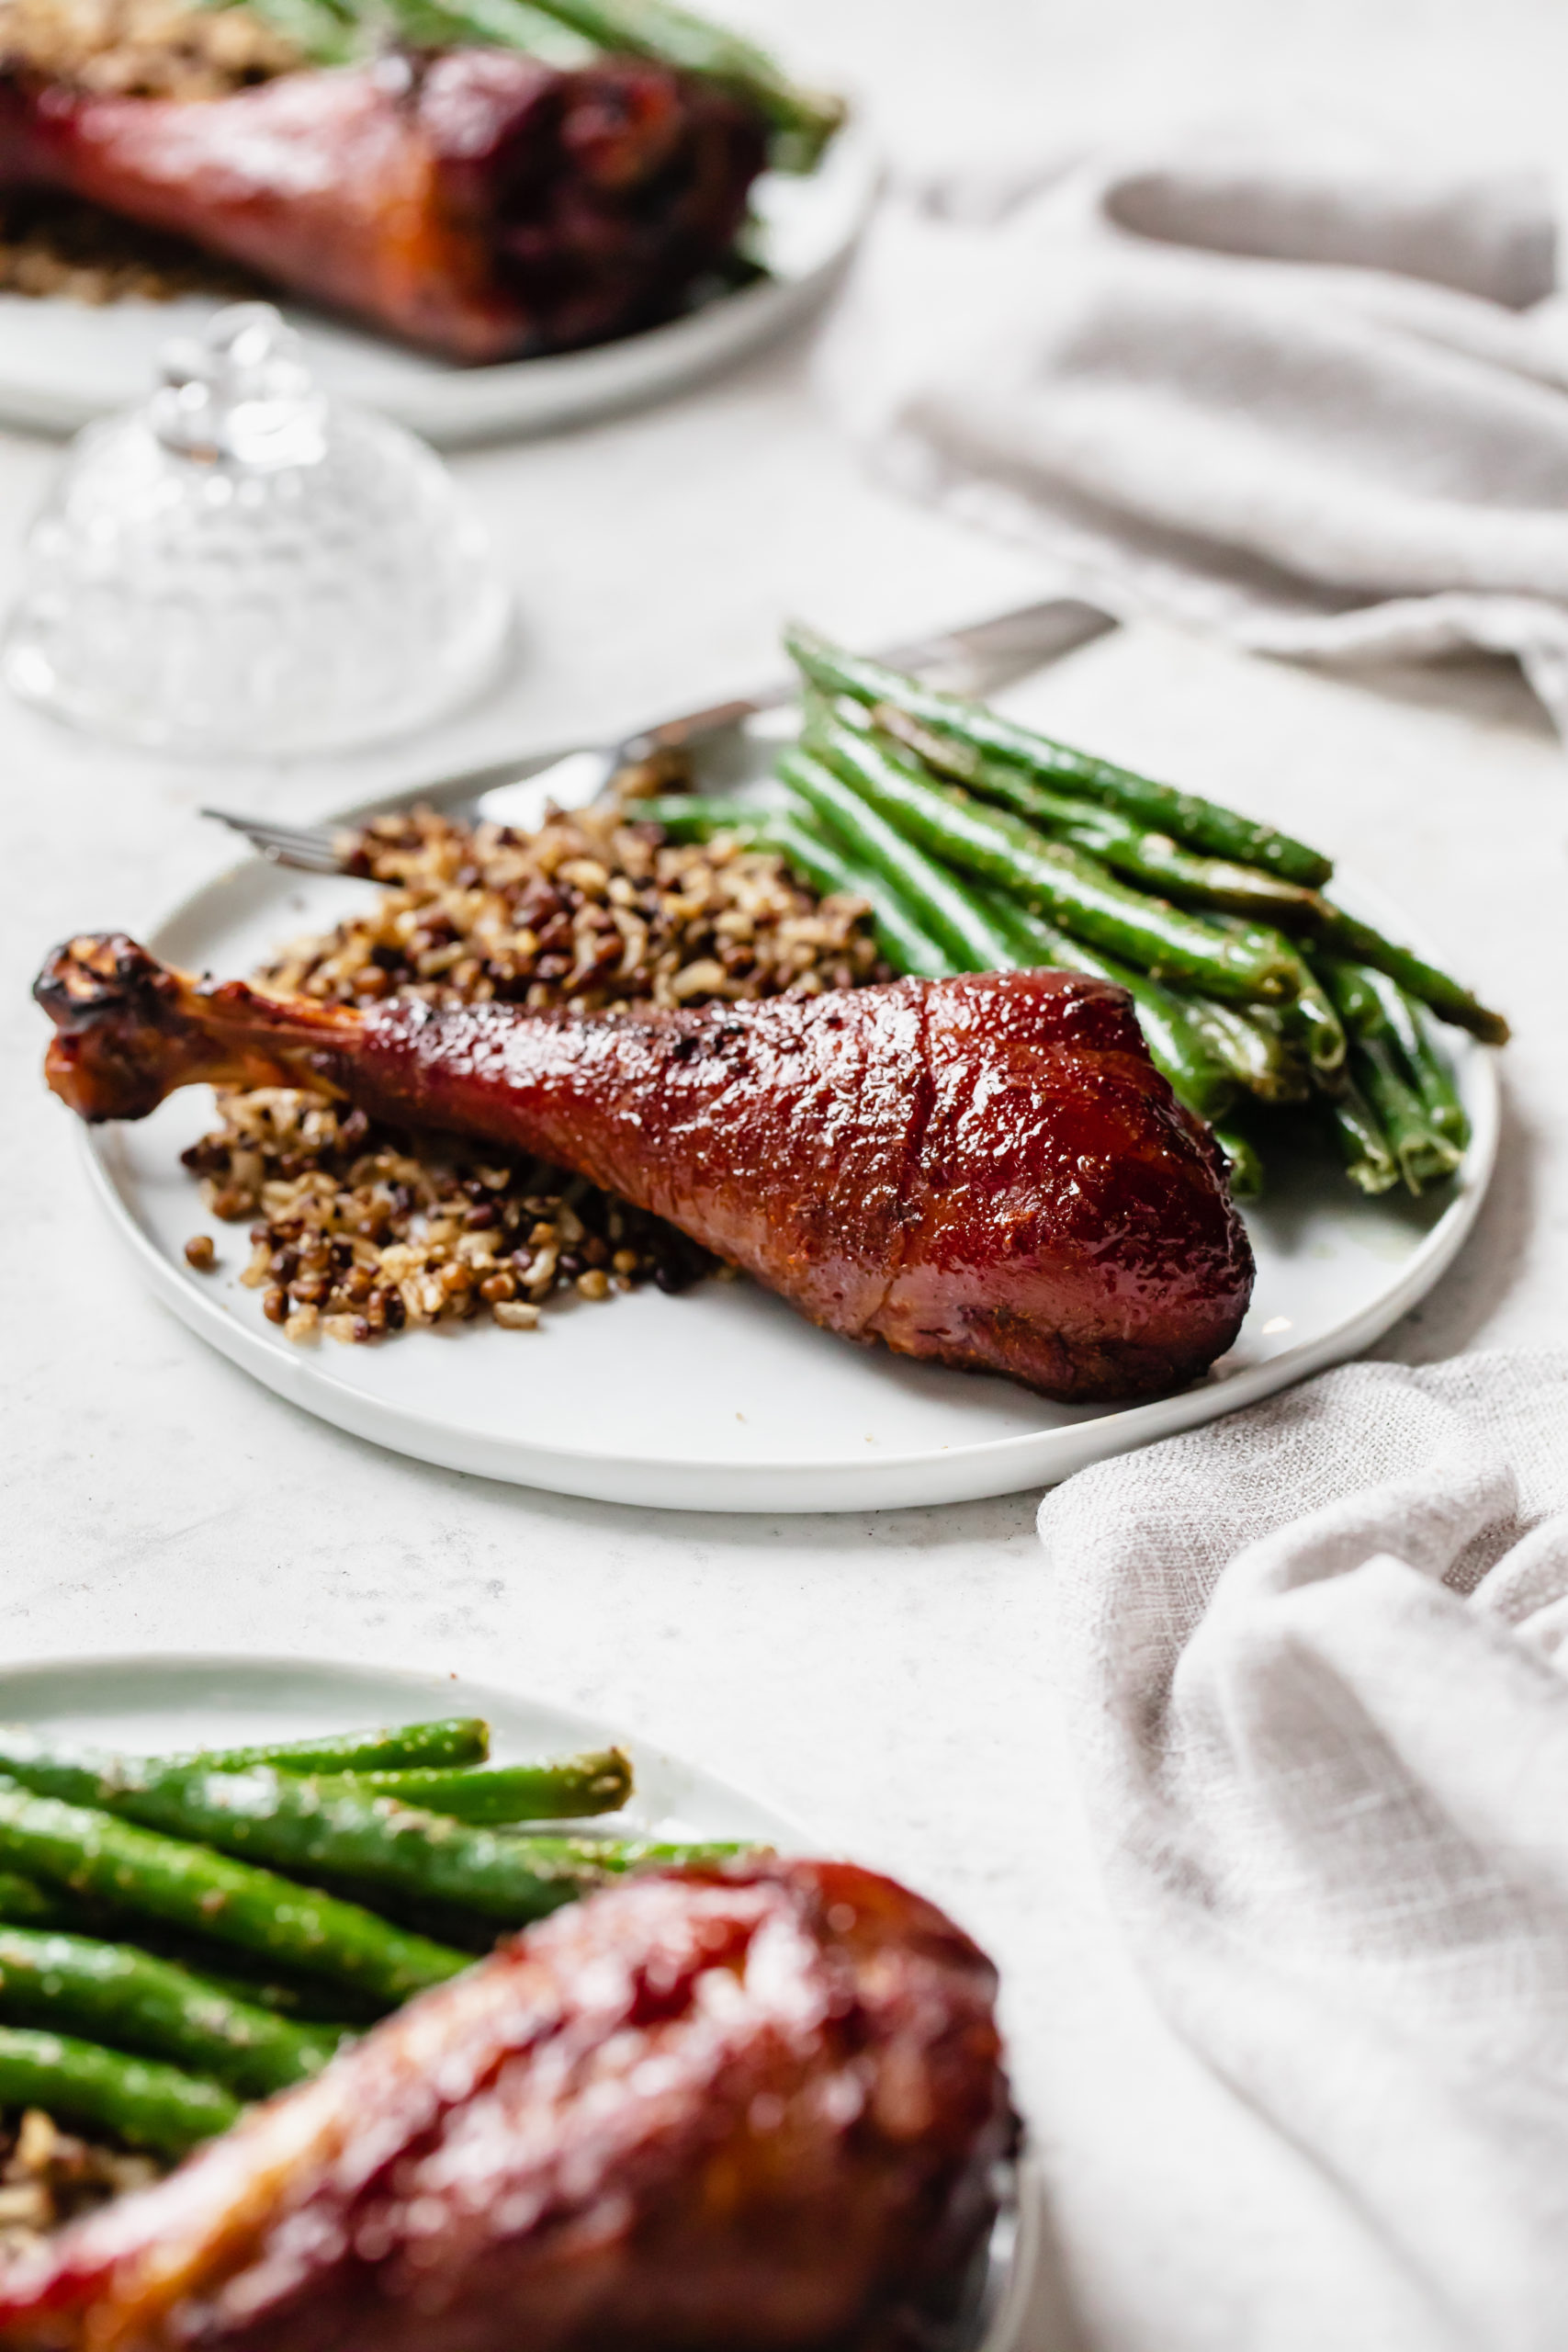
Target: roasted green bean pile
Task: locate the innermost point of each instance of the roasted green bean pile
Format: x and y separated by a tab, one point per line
980	845
180	1934
569	33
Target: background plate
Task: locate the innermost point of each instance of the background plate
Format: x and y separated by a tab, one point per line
153	1704
64	363
723	1398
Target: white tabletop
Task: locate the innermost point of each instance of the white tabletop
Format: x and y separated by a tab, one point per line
886	1677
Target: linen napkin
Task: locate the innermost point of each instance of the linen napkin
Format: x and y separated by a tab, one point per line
1313	1663
1302	402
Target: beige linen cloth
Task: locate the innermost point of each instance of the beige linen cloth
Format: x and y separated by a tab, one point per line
1303	401
1315	1660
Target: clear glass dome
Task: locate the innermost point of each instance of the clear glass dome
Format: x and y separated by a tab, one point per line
244	566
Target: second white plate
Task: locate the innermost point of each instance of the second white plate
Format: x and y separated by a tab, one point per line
724	1399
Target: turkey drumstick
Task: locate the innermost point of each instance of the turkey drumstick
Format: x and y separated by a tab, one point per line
751	2111
479	202
986	1171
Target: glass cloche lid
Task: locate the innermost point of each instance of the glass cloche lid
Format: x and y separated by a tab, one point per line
246	566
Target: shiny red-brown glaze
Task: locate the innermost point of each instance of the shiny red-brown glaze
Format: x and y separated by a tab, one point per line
988	1170
725	2112
480	203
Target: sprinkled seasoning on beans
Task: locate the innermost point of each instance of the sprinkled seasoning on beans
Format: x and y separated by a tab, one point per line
359	1230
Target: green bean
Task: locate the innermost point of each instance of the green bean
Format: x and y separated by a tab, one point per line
322	33
139	2101
112	1992
621	1855
1369	1162
1050	878
1253	1047
239	1975
902	942
1202	823
1421	1153
332	2010
454	1739
1350	985
496	24
1347	937
938	904
900	939
306	1825
1245	1163
803	122
1116	839
567	1791
1375	1006
1429	1069
1178	1047
1309	1014
89	1851
25	1904
695	817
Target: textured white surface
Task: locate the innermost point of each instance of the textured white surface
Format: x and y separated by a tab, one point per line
881	1677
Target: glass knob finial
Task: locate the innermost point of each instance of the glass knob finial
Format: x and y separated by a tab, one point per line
241	391
246	565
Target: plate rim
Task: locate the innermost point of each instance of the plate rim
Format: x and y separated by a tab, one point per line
587	1723
951	1473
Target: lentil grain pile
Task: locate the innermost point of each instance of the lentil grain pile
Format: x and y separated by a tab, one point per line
53	244
48	2177
360	1230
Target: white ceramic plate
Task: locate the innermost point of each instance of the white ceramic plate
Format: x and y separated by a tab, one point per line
152	1705
724	1399
64	363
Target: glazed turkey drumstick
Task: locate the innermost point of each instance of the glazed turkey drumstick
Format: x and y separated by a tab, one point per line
479	202
755	2111
987	1170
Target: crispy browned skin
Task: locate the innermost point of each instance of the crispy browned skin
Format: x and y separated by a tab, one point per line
717	2112
987	1170
481	204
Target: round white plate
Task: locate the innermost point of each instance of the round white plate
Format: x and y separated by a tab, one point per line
153	1705
724	1398
64	363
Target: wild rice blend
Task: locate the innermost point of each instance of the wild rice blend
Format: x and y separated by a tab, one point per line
48	2178
360	1230
55	244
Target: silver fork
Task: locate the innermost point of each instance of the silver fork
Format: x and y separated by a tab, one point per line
976	660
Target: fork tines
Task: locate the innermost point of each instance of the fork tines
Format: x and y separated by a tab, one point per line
314	848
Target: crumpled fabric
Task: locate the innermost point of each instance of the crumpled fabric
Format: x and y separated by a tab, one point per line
1313	1657
1316	404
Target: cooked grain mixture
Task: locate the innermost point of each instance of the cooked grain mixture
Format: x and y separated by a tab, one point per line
359	1230
53	245
145	49
48	2178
